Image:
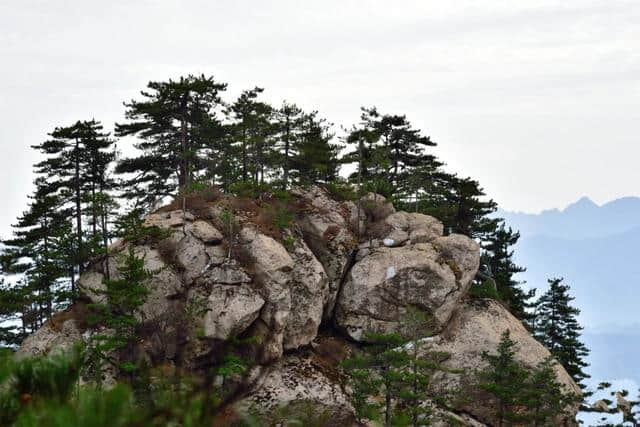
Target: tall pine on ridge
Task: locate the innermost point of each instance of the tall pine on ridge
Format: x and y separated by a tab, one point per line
176	120
497	256
556	326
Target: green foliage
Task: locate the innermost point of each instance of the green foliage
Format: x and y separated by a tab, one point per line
35	381
249	189
92	408
44	391
282	217
130	227
289	241
486	289
303	413
502	380
282	195
556	326
177	123
342	191
520	394
394	367
119	315
497	258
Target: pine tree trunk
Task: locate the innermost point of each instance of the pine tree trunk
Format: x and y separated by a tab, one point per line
46	257
387	411
78	209
94	212
244	156
414	400
105	242
286	154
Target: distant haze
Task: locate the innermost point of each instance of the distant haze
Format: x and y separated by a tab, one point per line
595	249
538	100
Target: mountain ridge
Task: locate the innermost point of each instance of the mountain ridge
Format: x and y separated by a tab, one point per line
583	218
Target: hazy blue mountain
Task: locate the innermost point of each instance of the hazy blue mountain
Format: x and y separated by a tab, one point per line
580	220
597	250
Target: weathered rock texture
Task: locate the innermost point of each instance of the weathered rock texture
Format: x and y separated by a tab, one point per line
294	379
411	265
475	327
353	267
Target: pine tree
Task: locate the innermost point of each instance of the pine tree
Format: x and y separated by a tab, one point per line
119	314
289	124
37	255
556	326
502	379
99	187
370	160
521	394
175	121
75	170
544	396
392	151
497	256
403	145
252	131
318	157
397	367
12	303
470	212
415	397
377	371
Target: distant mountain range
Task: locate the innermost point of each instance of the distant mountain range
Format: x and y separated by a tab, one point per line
597	250
580	220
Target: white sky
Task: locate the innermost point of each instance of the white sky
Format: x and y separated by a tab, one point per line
538	100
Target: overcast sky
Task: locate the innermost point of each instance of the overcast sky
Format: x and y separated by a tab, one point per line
539	102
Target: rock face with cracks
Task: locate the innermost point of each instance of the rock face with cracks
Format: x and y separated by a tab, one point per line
348	267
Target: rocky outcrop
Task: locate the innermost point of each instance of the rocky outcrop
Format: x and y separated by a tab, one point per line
297	379
428	271
327	230
273	265
50	339
165	283
352	267
231	309
309	288
476	327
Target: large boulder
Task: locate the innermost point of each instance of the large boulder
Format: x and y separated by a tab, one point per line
327	230
51	338
309	288
386	280
272	265
231	309
476	327
296	379
169	220
376	206
165	283
411	228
